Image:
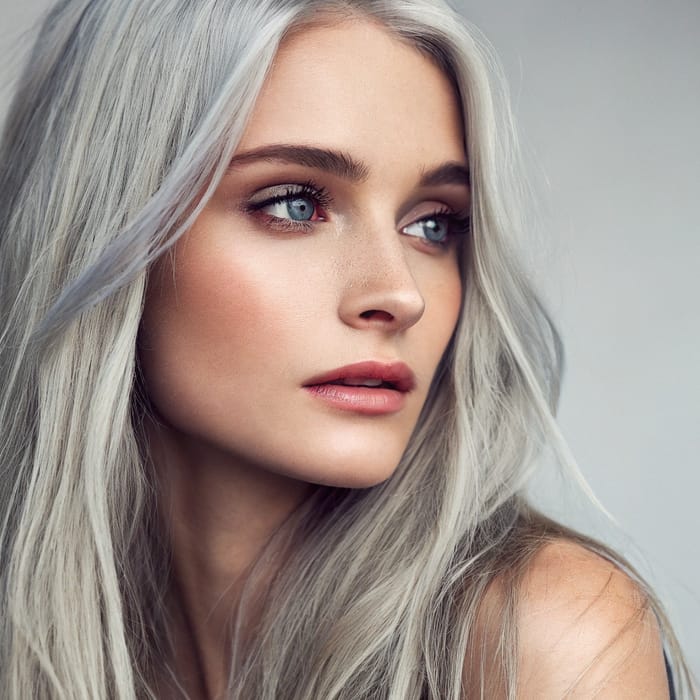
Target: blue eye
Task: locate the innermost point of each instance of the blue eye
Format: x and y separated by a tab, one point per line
435	229
293	207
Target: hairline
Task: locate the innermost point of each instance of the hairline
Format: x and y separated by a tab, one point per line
341	13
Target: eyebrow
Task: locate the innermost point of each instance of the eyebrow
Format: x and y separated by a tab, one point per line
343	165
334	162
452	173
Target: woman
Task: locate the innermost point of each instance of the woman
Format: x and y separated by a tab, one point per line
272	380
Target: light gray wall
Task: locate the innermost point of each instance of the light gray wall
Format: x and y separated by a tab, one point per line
608	98
607	95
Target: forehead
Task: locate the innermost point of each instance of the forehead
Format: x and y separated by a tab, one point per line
356	87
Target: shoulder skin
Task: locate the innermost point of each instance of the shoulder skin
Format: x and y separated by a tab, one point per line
586	630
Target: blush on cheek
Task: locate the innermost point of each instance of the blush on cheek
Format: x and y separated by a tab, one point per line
214	317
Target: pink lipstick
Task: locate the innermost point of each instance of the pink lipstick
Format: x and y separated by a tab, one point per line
369	388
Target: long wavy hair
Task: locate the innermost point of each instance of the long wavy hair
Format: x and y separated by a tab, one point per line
124	121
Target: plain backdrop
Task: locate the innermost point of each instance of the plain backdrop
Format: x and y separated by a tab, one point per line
607	98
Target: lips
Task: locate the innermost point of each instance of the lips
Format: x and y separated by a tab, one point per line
393	375
366	388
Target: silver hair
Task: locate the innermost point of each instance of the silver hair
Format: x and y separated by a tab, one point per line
124	122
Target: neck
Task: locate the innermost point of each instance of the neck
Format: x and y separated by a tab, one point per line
220	514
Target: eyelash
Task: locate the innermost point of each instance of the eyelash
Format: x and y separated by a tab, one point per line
459	223
317	194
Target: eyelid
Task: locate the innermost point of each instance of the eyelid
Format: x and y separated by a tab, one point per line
458	223
457	218
277	193
436	209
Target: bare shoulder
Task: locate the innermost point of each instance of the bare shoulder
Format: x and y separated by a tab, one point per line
586	629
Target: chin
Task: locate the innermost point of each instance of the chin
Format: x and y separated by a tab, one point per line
350	473
338	462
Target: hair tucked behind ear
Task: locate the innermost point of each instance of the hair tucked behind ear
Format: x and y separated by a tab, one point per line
125	120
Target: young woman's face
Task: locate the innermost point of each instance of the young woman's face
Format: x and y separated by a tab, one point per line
310	303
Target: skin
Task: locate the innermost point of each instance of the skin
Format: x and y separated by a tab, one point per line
248	309
586	630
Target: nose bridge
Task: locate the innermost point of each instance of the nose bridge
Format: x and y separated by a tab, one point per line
380	284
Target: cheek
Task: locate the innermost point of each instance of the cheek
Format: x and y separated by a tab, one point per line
452	294
215	297
442	315
232	318
209	315
443	295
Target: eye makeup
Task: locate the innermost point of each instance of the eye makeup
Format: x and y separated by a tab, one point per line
439	228
318	198
298	206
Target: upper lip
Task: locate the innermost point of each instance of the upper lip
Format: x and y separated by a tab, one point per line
397	374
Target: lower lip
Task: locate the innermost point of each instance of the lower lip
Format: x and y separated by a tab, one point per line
359	399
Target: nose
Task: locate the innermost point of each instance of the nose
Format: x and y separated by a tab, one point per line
380	290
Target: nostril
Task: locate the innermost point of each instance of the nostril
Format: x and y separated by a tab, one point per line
376	315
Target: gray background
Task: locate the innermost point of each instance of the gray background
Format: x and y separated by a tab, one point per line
607	96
